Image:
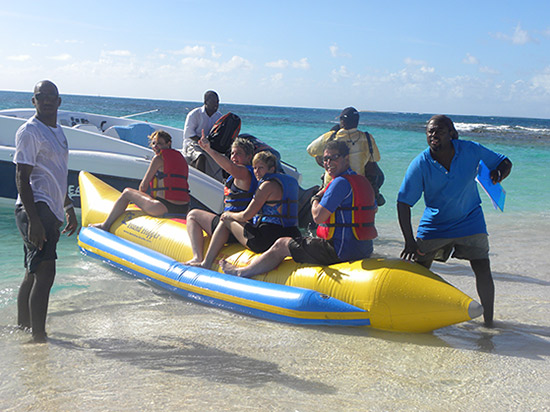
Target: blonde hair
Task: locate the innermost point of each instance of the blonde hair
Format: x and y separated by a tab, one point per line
161	134
266	157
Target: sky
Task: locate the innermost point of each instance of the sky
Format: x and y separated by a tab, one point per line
469	57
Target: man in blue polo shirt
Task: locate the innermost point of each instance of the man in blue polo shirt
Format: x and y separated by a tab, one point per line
453	219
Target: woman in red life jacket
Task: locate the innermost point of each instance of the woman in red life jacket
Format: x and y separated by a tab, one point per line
167	178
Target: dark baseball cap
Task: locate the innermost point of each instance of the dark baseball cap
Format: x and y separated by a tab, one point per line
349	113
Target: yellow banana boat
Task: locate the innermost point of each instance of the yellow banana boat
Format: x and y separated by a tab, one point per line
398	295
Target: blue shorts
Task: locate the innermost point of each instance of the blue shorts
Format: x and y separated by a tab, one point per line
33	255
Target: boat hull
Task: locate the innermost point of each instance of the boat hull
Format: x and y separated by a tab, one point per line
269	301
399	295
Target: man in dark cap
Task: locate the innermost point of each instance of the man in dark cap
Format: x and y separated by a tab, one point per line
363	152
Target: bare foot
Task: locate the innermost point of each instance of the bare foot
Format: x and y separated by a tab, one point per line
193	262
229	268
101	226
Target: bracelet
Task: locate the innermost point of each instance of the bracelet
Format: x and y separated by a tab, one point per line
314	198
69	206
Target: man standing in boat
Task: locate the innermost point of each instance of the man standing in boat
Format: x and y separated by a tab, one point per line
344	210
453	219
41	164
198	120
364	154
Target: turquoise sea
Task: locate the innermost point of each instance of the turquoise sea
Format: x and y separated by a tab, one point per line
120	344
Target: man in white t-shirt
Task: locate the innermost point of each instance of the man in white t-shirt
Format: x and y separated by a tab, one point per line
41	164
199	119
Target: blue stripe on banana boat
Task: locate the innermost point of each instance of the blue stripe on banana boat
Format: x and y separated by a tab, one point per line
264	300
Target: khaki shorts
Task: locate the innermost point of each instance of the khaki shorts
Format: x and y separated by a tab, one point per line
474	247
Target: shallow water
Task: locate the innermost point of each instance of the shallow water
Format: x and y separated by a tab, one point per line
121	344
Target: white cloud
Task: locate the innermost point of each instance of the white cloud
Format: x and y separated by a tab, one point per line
61	57
301	64
488	70
235	63
116	53
279	64
412	62
342	72
542	80
424	68
469	59
19	58
195	51
198	63
335	52
519	37
215	54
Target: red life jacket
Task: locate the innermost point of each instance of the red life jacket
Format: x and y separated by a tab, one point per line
173	180
362	211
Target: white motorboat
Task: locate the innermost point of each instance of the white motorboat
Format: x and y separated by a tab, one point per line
112	148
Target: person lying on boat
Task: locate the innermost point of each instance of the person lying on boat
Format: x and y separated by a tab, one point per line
167	179
344	210
239	190
273	211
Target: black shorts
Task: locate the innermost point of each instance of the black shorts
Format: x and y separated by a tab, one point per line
34	256
173	209
215	221
260	238
313	250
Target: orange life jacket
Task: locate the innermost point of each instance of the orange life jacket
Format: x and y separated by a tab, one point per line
362	211
173	180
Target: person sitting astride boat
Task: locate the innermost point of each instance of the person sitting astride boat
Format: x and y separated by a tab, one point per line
239	190
167	178
273	210
344	210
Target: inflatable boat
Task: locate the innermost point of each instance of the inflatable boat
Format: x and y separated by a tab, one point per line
390	294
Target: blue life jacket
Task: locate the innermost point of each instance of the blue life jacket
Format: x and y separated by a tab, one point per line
288	216
235	199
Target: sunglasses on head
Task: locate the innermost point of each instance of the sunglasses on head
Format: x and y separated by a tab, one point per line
332	158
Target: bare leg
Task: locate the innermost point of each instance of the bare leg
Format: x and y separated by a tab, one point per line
33	298
23	309
485	288
219	238
265	262
142	200
197	222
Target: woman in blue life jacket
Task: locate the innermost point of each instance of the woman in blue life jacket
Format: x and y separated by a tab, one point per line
273	213
239	190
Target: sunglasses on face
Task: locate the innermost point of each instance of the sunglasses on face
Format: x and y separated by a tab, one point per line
45	96
332	158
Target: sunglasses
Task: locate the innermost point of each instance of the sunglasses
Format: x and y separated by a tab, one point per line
45	96
332	158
